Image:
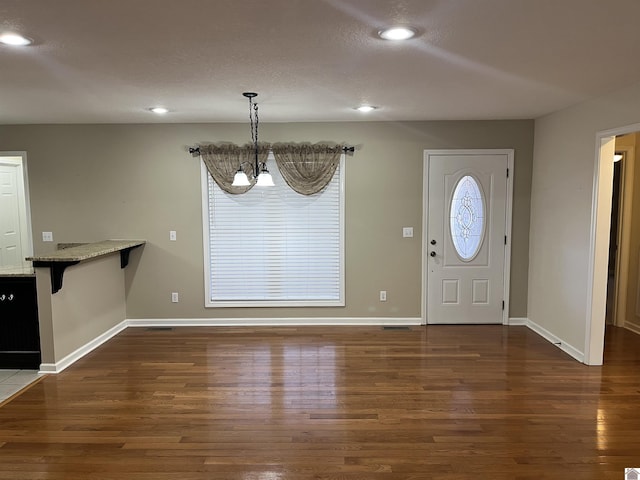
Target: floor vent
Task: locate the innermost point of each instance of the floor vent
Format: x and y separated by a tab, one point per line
391	327
157	329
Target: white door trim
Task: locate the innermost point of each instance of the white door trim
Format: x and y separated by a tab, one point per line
26	237
619	307
599	242
425	218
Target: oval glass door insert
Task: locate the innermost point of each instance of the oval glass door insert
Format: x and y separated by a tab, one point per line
467	218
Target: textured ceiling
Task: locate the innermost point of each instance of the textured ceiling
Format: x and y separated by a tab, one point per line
108	61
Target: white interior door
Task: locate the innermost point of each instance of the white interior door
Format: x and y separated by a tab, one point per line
468	202
14	222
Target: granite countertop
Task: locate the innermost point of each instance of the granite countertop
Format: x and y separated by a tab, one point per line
87	251
17	271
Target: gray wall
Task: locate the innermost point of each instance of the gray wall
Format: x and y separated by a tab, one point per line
561	207
93	182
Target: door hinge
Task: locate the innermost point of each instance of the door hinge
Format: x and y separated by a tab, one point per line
502	304
507	173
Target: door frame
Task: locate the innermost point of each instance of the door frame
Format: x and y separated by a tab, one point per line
599	242
26	237
508	221
623	236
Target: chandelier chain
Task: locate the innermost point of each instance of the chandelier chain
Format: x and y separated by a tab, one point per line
253	120
255	109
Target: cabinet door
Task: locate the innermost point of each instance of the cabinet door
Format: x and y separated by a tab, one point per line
19	329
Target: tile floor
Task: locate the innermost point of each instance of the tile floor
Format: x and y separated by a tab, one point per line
11	381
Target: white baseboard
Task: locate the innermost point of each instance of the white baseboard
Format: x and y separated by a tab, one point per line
515	321
633	327
82	351
271	322
547	335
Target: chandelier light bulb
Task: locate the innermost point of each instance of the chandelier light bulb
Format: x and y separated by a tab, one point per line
265	179
240	179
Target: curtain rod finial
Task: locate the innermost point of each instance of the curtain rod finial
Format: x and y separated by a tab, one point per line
195	151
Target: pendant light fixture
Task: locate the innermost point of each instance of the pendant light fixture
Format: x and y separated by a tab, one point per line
260	172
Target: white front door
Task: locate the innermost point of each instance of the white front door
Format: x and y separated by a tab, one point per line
465	244
14	230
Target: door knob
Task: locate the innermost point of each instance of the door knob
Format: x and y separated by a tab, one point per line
433	242
433	254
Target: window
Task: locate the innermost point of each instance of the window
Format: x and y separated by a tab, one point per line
272	246
467	218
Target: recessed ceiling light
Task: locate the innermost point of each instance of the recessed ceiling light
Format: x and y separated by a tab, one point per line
397	33
159	110
15	40
366	108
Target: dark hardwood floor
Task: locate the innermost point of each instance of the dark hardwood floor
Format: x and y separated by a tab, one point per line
348	403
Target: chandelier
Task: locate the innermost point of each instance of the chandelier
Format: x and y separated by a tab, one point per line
259	169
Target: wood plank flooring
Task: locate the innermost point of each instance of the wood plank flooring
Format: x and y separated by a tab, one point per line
347	403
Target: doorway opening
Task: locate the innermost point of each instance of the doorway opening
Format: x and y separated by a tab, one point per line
615	232
615	241
15	216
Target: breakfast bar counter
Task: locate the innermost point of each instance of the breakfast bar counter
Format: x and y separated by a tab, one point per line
91	306
59	260
86	251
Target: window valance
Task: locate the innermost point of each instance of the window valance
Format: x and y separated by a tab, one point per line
223	160
307	168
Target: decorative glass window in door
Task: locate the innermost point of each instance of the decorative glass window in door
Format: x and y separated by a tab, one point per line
467	218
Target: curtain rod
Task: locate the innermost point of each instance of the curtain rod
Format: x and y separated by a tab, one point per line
195	151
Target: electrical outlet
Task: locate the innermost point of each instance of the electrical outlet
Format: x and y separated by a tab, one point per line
407	232
174	297
47	236
172	235
383	295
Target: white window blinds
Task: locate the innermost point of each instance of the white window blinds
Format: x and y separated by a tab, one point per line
274	247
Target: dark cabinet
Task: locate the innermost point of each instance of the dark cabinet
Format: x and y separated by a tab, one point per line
19	328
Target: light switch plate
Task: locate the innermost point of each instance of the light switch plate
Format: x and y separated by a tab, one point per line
173	235
407	232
